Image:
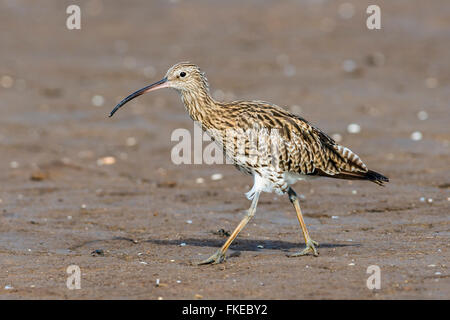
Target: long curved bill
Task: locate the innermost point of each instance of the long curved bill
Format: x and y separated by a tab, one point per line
157	85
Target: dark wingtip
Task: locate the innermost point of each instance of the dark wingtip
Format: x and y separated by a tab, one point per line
376	177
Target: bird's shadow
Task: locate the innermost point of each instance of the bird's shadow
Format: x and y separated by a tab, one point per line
244	244
237	245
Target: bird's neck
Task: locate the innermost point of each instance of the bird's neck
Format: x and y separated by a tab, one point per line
199	104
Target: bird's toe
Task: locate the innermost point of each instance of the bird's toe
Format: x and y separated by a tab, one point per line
216	258
310	248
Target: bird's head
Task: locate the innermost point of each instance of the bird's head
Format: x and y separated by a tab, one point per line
183	77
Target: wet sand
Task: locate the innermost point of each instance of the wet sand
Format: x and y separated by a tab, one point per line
58	204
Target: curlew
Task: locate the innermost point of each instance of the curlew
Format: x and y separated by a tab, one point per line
298	150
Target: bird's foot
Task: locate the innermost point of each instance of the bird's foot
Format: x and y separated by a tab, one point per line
216	258
310	248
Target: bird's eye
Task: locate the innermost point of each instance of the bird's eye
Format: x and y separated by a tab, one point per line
182	74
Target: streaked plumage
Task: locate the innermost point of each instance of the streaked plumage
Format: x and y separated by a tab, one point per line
303	150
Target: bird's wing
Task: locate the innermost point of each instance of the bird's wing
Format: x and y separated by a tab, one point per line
304	148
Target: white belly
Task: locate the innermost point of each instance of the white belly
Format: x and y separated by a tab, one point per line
270	183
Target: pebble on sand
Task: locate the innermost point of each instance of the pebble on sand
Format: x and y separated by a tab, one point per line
353	128
13	164
199	180
216	176
131	141
336	137
6	81
416	136
98	100
349	65
422	115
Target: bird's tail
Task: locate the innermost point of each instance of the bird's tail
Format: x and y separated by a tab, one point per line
369	175
376	177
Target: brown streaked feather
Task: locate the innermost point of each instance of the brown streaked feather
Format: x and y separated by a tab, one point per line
307	148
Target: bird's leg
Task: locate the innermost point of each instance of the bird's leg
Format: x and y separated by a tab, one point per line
219	256
310	244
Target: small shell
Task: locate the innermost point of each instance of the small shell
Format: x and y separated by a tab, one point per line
106	161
